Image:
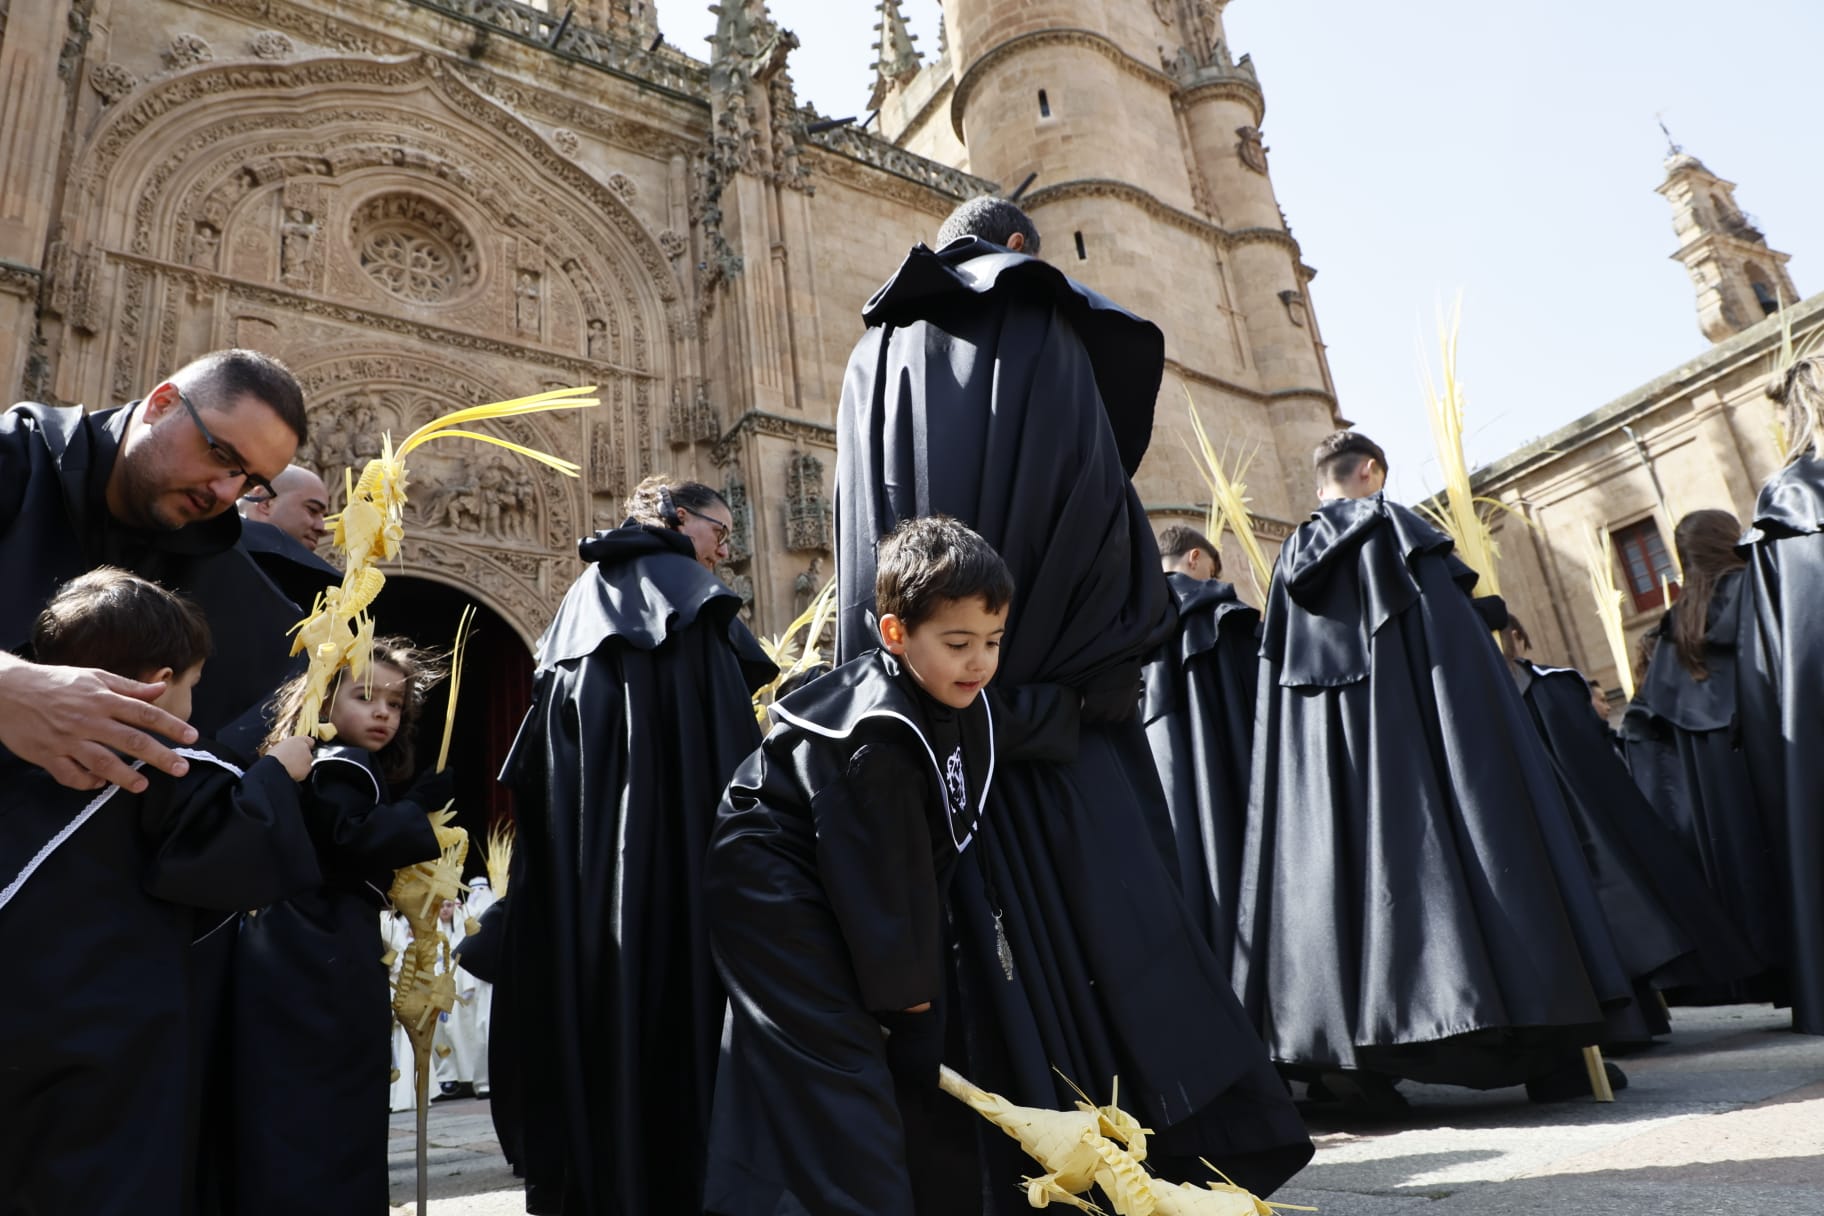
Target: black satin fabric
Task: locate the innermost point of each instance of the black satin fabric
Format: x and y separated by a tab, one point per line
1414	898
1198	708
1671	930
825	884
989	388
97	1070
293	568
1781	689
641	711
1679	739
311	1012
54	525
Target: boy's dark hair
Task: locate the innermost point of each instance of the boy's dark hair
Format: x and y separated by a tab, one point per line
992	219
115	620
1181	539
655	501
928	562
218	380
398	760
1341	454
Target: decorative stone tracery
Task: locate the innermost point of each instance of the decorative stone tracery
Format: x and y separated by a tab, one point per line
414	248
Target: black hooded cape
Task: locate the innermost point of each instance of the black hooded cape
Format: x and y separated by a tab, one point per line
1671	930
991	388
1414	897
99	901
1198	708
311	1012
1679	738
293	568
54	525
641	710
1781	681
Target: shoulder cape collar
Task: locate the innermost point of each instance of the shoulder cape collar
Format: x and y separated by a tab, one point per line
866	689
1790	504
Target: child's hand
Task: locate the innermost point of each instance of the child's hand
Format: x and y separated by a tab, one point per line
294	754
921	1007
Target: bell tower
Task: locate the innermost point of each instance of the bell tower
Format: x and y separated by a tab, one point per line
1739	280
1141	133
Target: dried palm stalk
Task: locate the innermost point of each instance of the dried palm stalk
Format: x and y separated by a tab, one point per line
789	655
1461	516
498	855
369	530
1228	499
1599	561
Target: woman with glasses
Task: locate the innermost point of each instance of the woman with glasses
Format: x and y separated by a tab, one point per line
608	1005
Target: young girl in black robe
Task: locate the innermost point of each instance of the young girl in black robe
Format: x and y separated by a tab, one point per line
311	1011
101	894
826	881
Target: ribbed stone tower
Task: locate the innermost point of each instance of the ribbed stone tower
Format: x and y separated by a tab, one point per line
1739	279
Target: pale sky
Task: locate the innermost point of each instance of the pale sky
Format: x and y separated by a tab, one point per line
1426	148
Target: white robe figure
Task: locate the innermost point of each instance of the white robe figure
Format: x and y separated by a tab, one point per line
480	1009
397	932
456	1029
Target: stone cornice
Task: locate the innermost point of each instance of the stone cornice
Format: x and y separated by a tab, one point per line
1102	187
760	422
1223	88
1088	39
18	280
877	153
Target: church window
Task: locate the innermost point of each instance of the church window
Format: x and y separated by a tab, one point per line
414	249
1082	253
1044	105
1646	563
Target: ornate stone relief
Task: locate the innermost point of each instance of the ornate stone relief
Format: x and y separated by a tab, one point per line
270	45
415	249
807	510
1250	149
623	185
186	51
692	419
567	141
674	244
112	81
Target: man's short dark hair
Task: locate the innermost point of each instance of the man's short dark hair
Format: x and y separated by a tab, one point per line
115	620
1341	454
928	562
1181	539
992	219
219	379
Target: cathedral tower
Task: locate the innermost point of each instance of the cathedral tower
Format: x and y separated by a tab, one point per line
1739	280
1141	133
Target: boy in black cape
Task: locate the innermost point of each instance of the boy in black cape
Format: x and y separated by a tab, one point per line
610	1014
1781	674
101	895
826	880
991	388
1414	899
1670	928
1198	707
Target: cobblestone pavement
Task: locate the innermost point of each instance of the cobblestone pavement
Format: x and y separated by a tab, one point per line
1726	1116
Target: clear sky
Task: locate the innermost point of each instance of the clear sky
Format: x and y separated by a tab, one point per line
1426	148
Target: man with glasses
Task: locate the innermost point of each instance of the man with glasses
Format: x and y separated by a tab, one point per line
147	486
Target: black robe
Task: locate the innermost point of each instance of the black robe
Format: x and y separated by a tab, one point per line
311	1010
293	568
826	885
54	525
1414	897
1781	688
1670	929
1679	738
100	895
641	710
1198	708
991	388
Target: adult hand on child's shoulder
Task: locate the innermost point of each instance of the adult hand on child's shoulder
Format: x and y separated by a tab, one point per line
72	721
295	754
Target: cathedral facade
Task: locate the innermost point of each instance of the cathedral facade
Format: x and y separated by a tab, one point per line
424	204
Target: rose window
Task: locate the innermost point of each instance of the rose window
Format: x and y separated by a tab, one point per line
414	249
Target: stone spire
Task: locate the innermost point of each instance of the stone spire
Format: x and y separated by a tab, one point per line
895	58
1739	279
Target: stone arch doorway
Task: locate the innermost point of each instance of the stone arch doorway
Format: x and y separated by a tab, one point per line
496	690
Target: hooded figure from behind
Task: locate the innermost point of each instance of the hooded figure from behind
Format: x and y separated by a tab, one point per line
1780	669
1414	899
608	1012
991	388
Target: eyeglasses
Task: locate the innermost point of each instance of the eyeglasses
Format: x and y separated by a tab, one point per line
720	528
227	457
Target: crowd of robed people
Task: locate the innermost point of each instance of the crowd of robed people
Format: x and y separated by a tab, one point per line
1052	818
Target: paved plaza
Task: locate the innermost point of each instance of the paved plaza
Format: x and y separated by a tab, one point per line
1726	1116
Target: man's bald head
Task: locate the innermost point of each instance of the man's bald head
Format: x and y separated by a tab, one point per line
299	502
